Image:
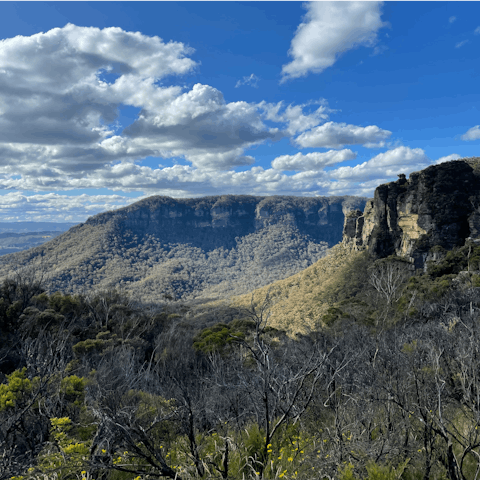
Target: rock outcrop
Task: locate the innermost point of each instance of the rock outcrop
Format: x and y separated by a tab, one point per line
436	206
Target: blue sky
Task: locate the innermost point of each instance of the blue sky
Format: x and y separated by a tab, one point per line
105	103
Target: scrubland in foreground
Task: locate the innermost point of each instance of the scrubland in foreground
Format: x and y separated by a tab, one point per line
385	386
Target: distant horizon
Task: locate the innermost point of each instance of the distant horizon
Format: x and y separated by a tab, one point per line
107	103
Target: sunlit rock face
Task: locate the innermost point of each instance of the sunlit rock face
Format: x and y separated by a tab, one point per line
436	206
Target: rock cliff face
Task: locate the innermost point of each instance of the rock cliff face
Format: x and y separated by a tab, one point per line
213	222
436	206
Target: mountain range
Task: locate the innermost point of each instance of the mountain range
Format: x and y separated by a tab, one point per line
192	248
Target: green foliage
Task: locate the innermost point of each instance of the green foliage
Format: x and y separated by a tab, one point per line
220	337
346	472
425	288
64	304
16	387
90	346
455	261
350	280
66	455
385	472
333	315
73	388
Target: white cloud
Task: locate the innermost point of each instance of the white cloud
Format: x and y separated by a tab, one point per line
60	95
16	206
447	158
293	116
251	80
472	134
384	165
336	135
182	180
330	29
477	31
200	126
52	83
452	19
461	44
313	160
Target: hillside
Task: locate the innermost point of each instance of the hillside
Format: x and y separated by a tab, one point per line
300	301
189	248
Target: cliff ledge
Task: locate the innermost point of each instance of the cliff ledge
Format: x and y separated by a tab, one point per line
436	206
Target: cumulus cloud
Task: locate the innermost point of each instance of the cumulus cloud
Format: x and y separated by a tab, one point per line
313	160
60	94
186	180
251	80
472	134
180	180
477	31
452	19
330	29
384	165
203	128
336	135
53	82
447	158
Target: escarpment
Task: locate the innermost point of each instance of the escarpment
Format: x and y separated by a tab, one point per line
212	222
436	206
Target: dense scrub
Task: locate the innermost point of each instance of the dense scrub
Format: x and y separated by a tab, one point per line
99	387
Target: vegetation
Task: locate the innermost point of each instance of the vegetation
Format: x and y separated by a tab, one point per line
145	265
384	387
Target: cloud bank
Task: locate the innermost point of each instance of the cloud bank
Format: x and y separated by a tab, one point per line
62	91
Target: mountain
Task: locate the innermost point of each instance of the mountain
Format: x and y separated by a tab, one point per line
189	248
18	236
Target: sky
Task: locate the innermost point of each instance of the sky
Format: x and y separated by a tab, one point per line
105	103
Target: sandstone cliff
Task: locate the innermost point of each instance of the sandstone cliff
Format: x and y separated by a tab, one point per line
216	221
436	206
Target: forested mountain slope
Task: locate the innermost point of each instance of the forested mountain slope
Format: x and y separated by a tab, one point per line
189	248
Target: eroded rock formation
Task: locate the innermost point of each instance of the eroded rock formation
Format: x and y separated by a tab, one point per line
436	206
